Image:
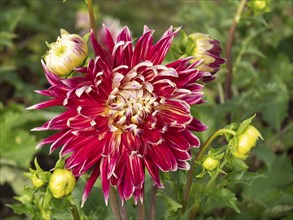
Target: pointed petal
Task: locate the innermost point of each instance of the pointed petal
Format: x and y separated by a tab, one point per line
196	125
90	183
104	179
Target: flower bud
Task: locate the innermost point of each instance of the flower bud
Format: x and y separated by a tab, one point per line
37	182
66	54
259	6
210	163
61	183
207	49
246	141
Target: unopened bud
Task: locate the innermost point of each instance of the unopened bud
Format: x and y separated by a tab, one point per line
246	141
207	49
62	183
66	54
210	163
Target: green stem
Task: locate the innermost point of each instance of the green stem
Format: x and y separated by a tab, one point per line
92	16
194	210
190	173
114	204
228	92
74	211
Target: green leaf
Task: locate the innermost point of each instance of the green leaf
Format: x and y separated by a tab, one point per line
228	197
276	108
172	205
11	173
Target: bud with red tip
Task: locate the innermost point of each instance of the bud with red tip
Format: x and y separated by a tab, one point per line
66	54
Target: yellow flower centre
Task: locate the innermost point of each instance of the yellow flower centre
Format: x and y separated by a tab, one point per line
128	108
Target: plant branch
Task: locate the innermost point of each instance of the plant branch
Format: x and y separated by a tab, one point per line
92	16
123	211
114	204
228	86
152	212
190	173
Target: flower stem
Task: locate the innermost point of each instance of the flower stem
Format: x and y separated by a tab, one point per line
74	211
140	211
152	212
190	173
194	211
92	15
228	92
123	211
114	204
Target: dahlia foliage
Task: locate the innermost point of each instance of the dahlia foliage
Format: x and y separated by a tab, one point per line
126	112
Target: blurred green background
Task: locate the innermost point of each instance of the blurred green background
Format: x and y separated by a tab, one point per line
262	84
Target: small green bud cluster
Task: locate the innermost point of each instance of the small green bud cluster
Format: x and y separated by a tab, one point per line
259	6
39	177
60	183
241	139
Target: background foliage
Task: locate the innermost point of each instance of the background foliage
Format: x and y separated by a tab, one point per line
262	83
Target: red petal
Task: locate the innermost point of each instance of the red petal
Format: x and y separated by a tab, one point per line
153	171
196	125
90	183
137	170
104	179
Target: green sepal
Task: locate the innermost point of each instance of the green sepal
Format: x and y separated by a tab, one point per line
243	126
183	40
201	174
38	168
28	175
190	46
60	163
47	199
44	176
48	45
86	37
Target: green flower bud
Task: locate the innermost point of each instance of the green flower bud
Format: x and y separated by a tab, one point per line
259	6
36	181
246	141
61	183
210	163
66	54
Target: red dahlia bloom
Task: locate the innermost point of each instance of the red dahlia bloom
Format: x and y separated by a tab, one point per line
127	113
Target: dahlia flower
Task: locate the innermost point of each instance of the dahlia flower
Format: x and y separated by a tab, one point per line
126	114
